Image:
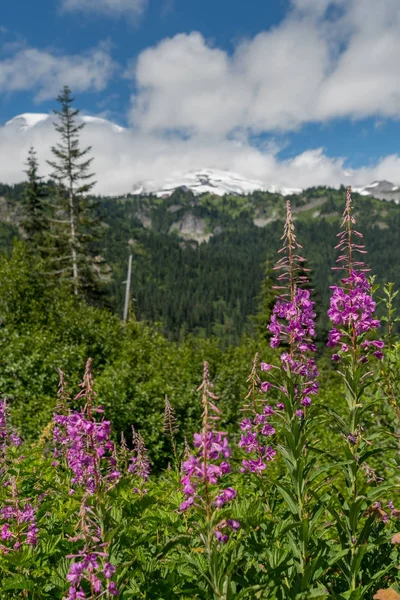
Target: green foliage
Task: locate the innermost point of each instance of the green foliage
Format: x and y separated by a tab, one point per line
310	525
292	543
266	300
213	288
44	328
34	221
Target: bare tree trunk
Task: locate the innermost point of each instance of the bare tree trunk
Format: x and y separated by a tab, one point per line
128	289
75	276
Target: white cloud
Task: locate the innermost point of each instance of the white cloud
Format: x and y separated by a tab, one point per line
185	83
115	8
125	158
317	64
45	73
325	60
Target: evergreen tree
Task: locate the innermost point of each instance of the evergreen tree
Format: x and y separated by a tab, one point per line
75	221
266	300
34	220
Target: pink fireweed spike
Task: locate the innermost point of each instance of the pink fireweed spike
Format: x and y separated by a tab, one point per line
91	566
256	431
352	308
85	443
293	321
17	522
203	469
139	464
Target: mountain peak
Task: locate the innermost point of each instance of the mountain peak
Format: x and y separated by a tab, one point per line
214	181
383	190
28	121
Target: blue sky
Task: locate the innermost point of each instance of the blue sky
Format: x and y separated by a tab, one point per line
223	22
291	89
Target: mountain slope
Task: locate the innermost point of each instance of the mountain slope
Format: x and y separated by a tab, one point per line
199	260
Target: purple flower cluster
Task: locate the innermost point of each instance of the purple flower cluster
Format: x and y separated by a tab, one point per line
209	464
223	526
255	430
89	568
299	329
18	525
82	441
293	321
382	514
353	305
207	468
352	309
86	445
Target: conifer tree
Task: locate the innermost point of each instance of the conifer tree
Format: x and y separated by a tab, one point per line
266	300
34	220
75	223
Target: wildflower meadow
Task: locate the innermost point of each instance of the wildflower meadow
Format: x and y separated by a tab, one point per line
298	499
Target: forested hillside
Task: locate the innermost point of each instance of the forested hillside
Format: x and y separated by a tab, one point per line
198	262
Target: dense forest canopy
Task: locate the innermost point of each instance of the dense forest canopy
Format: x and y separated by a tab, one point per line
199	262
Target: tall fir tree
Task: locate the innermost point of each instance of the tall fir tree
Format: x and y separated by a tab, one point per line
34	205
75	222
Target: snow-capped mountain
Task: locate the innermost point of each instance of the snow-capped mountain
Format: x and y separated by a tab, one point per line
29	120
383	190
212	181
199	181
220	182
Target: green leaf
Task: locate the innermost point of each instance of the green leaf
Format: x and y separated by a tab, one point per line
18	582
289	499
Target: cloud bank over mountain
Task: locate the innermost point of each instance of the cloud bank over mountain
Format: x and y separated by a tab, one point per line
124	158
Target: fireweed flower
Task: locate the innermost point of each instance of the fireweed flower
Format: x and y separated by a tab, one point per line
17	523
292	324
203	469
256	431
139	463
351	312
91	571
352	307
85	443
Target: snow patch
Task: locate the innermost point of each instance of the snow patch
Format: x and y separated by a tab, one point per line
212	181
29	120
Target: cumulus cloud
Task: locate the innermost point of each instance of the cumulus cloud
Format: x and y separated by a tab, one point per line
125	158
184	83
327	59
116	8
45	73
